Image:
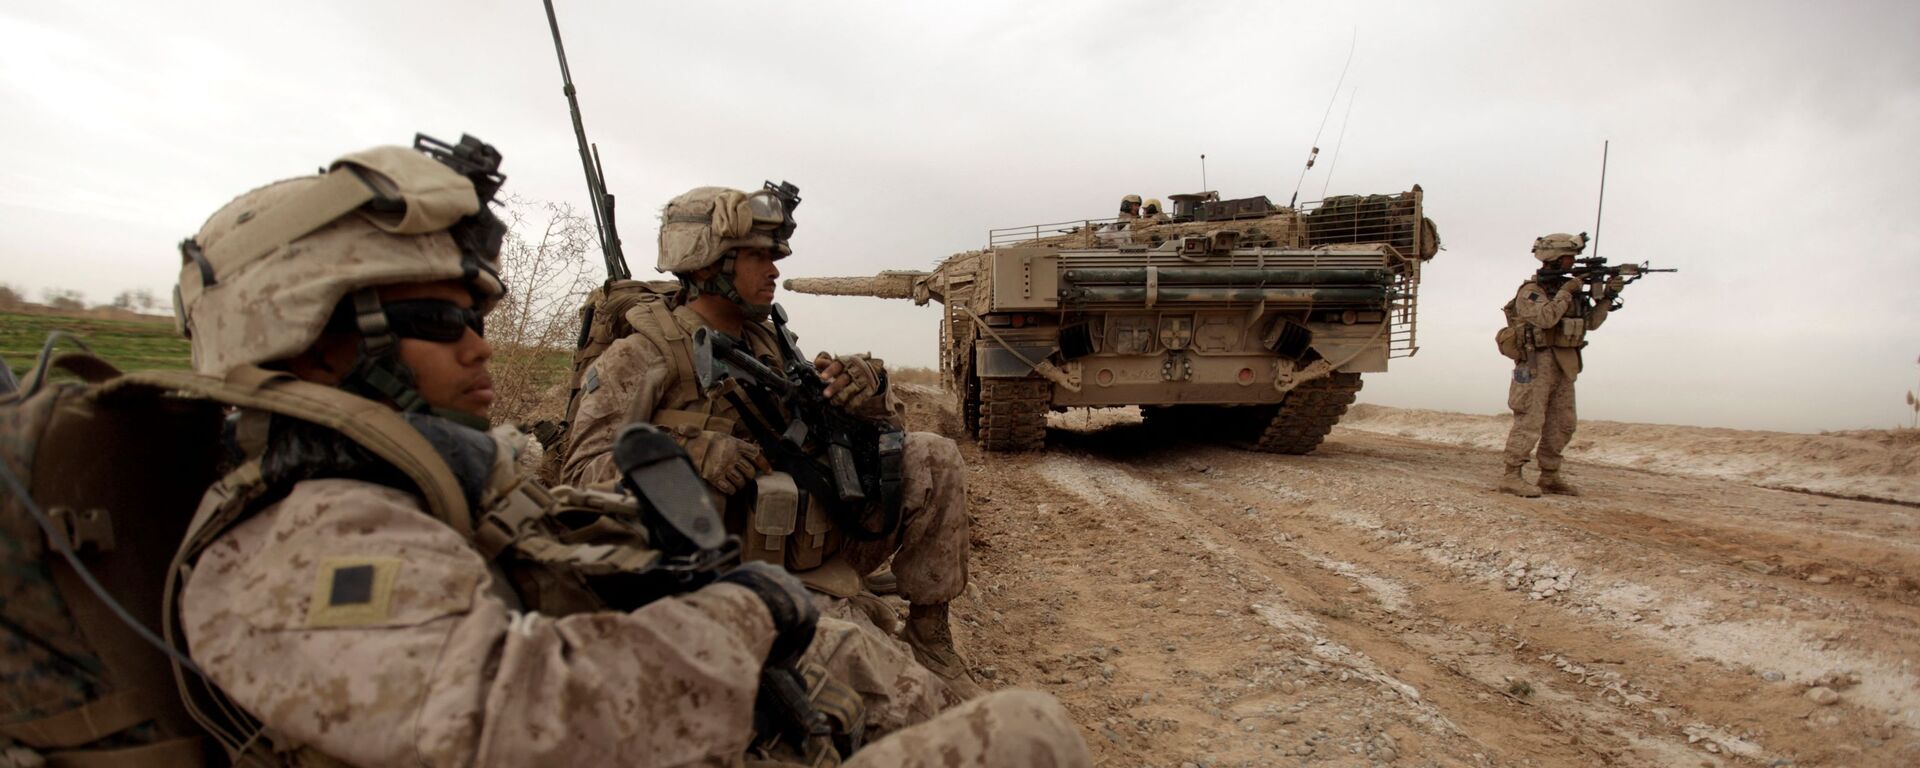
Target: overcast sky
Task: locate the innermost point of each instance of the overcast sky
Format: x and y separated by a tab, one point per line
1768	150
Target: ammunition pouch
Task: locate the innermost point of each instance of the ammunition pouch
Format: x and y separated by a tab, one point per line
1571	333
779	532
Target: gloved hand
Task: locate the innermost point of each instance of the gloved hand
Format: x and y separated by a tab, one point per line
852	380
794	616
726	462
1571	287
1614	284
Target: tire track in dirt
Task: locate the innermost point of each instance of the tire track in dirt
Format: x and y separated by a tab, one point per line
1198	603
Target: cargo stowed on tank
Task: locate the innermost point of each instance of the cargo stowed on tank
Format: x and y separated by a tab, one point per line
1234	317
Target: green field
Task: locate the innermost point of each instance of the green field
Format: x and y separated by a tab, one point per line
128	344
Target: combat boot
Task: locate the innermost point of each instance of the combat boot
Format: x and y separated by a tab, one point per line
1552	482
881	582
1517	485
931	638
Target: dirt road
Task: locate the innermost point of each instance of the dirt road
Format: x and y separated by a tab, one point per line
1377	603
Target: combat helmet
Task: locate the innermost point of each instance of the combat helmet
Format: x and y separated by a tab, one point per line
1547	248
1151	207
702	227
274	269
1130	205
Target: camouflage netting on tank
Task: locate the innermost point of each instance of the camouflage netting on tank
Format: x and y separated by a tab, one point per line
1393	219
1281	230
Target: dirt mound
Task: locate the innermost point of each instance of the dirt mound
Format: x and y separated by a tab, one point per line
929	409
1870	464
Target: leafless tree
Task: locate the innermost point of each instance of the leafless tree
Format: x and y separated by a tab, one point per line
64	298
10	296
545	262
136	300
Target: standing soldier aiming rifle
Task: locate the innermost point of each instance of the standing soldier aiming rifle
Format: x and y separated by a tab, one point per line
1547	323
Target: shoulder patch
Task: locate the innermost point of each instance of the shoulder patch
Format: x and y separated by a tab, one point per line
353	591
593	380
1533	296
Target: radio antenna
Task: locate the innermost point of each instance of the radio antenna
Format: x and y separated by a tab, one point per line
1203	172
1602	208
590	159
1315	152
1334	165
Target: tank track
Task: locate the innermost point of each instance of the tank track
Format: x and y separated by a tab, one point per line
1013	414
1308	414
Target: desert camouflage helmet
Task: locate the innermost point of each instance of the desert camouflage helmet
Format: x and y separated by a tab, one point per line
701	226
266	273
1152	206
1551	247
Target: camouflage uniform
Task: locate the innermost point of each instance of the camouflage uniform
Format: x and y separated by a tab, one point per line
448	670
358	619
635	379
1541	393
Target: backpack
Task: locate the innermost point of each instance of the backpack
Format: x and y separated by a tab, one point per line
603	321
80	684
103	474
1509	339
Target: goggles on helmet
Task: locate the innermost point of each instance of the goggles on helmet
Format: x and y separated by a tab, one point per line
773	207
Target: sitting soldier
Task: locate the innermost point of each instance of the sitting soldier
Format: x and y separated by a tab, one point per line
363	615
723	245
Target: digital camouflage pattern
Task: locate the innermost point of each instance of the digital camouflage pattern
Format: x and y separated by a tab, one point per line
283	255
638	379
425	662
1007	728
1543	403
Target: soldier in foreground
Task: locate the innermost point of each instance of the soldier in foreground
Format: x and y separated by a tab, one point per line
723	244
362	618
1547	324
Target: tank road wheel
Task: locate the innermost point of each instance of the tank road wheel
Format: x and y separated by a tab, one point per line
1013	414
1308	414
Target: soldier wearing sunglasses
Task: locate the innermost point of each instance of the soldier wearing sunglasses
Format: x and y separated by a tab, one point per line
343	611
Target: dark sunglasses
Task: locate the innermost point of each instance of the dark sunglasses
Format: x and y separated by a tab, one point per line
433	320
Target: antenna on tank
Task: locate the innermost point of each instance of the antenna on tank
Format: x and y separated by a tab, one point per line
1203	172
1602	208
1314	153
1337	143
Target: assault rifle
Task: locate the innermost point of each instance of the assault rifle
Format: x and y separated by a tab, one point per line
851	464
1594	270
695	550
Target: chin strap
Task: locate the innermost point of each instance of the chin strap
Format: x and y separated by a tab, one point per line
720	283
378	373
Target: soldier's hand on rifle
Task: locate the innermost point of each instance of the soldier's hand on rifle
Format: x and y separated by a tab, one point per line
851	380
1614	284
726	462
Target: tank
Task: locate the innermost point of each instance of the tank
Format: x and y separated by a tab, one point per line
1231	318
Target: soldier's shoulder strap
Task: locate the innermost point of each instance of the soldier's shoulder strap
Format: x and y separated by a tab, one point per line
372	425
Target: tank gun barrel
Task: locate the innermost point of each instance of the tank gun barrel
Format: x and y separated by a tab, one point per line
890	284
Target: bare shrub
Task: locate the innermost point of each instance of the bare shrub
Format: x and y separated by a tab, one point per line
64	298
137	300
10	296
545	262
